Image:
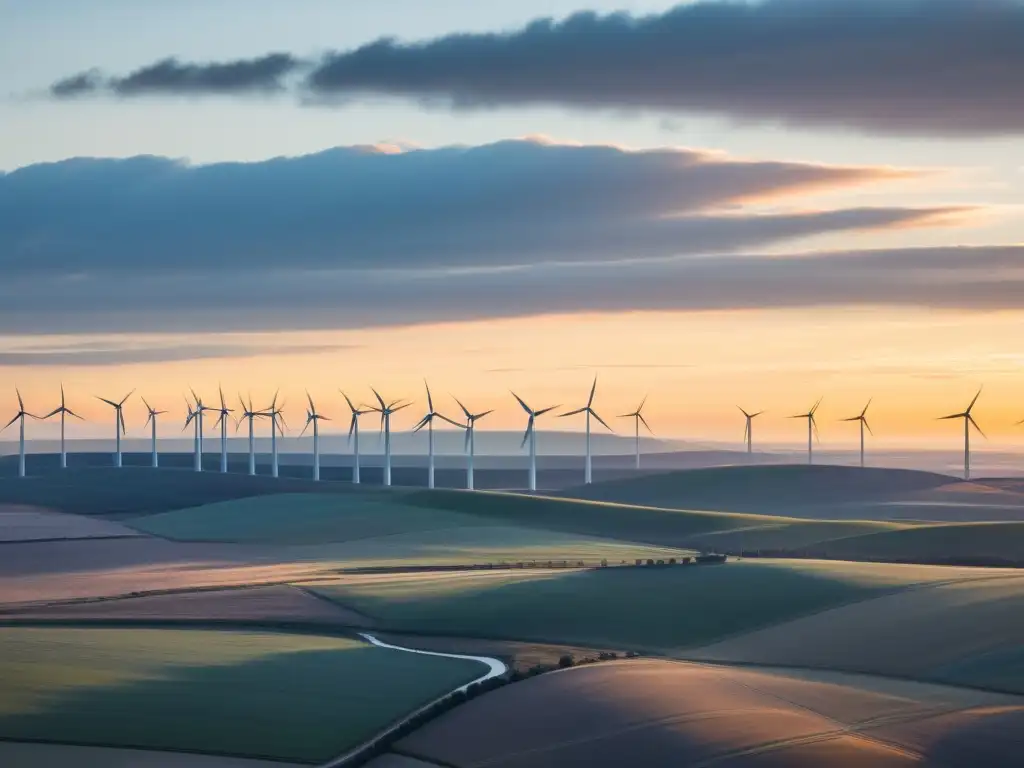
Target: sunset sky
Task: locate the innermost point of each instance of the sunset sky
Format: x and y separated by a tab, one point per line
713	203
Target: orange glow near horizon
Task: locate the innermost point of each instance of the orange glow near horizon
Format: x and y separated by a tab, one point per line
696	368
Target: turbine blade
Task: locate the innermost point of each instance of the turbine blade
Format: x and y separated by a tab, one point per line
21	403
421	424
755	415
69	412
349	401
352	425
464	409
975	425
62	394
594	414
526	434
453	423
814	425
111	403
308	420
403	405
746	428
546	410
430	400
379	398
593	390
642	404
148	419
571	413
310	399
481	415
52	413
148	406
525	406
642	419
865	411
120	418
743	412
953	416
867	426
973	402
11	422
125	400
465	443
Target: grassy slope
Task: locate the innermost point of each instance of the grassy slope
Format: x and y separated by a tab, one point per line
298	698
622	607
664	527
760	488
377	529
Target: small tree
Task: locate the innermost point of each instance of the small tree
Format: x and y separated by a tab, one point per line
565	661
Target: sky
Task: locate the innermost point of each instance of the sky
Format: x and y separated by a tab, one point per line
713	204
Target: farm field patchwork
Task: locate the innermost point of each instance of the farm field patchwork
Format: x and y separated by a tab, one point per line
968	632
203	691
644	608
664	713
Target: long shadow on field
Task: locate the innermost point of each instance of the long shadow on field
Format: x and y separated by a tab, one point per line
300	706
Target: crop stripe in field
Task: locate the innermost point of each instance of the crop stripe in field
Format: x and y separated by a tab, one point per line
495	668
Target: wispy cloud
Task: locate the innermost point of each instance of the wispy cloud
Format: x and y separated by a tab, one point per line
89	354
505	204
897	66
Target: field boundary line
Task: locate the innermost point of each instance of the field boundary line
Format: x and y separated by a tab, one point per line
496	668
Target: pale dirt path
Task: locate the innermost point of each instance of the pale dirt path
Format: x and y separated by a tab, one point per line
495	667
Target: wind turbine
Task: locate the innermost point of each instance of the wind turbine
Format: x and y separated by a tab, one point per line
193	418
638	418
197	414
531	435
153	413
428	422
748	430
968	422
314	418
471	420
812	429
119	428
863	419
20	416
353	432
250	414
222	421
589	410
385	412
277	422
64	411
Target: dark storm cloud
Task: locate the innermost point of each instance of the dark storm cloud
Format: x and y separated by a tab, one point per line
984	278
77	85
897	66
514	202
262	75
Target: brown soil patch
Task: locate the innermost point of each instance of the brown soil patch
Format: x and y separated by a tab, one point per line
645	712
272	604
907	634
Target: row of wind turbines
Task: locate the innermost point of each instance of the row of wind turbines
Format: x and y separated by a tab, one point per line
196	411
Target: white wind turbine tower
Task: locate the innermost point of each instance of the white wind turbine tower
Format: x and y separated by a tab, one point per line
589	410
222	421
385	412
748	430
470	427
812	429
314	418
353	434
249	414
863	419
64	411
428	422
151	420
197	414
531	435
277	422
968	423
638	418
119	428
20	416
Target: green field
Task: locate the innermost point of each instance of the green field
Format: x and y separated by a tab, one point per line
664	527
278	696
643	608
378	530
